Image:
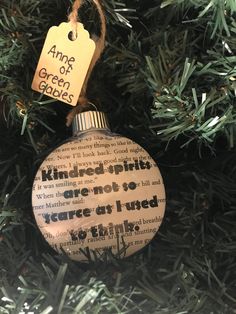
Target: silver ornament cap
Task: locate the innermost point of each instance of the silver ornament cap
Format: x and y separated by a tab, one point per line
89	120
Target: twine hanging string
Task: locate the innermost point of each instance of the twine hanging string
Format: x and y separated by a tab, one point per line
100	44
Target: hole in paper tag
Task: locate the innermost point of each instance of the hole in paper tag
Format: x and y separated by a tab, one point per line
64	63
70	36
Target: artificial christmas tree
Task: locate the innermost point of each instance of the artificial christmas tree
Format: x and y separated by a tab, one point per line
166	80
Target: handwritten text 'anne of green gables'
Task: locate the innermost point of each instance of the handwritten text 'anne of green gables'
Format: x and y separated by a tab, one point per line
52	84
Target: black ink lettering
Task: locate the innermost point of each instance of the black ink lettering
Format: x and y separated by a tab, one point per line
47	175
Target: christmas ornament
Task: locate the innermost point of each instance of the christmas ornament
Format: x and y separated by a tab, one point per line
98	191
